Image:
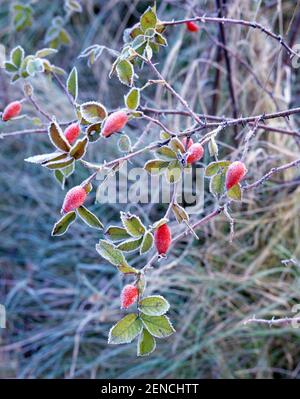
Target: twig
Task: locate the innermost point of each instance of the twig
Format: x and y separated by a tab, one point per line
251	120
38	108
273	322
270	173
250	24
63	87
174	92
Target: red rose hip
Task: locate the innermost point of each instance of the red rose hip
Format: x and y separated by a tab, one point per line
74	199
190	142
72	132
114	123
195	153
162	239
192	27
235	173
129	296
11	111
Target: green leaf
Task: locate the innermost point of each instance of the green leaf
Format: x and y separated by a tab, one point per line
109	252
58	164
164	135
148	53
146	343
67	171
9	67
132	99
79	148
214	167
72	83
177	145
160	40
93	112
155	166
93	132
135	31
138	42
17	56
173	172
141	282
217	184
116	233
154	305
147	242
73	6
45	52
63	224
130	245
132	224
166	153
180	213
22	16
43	158
89	218
213	147
125	72
58	138
235	193
125	330
59	176
148	19
124	143
159	326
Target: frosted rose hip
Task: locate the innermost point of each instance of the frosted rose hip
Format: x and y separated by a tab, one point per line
129	295
192	27
72	132
162	239
190	143
12	110
114	123
195	153
74	199
235	173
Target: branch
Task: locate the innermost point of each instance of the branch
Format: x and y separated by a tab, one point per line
251	120
250	24
273	322
270	173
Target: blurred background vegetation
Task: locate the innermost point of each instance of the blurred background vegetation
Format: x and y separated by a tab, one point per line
61	297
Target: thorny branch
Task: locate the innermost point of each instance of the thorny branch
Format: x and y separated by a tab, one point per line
232	21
